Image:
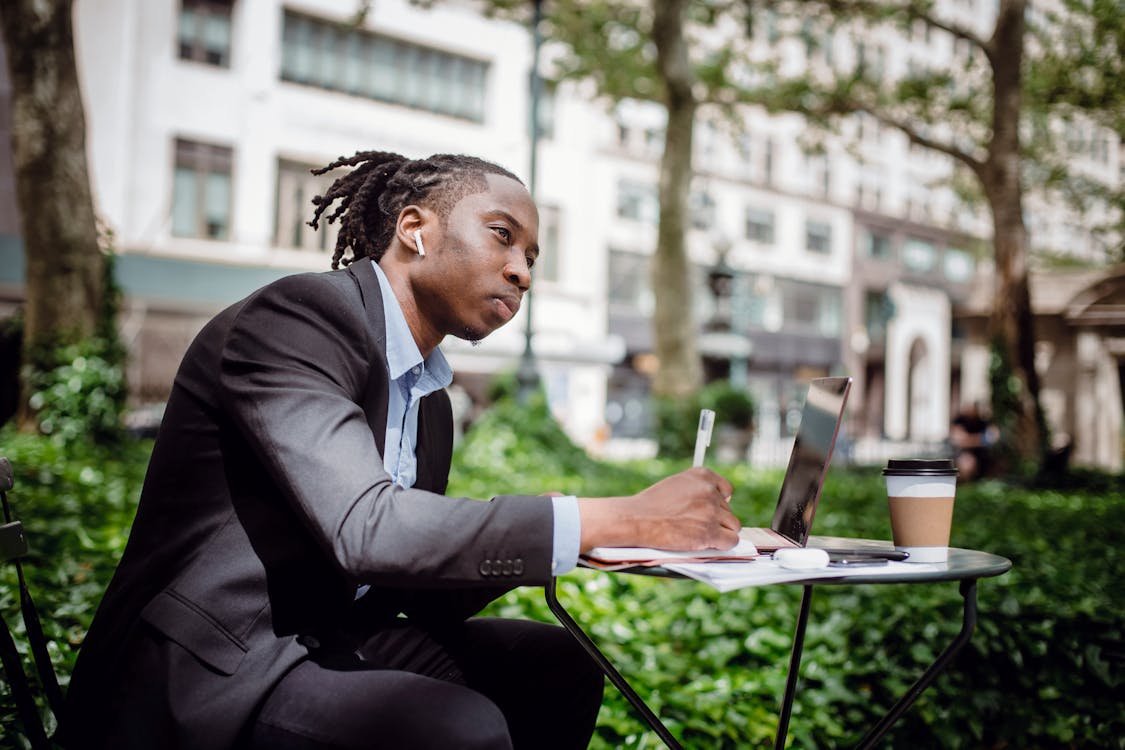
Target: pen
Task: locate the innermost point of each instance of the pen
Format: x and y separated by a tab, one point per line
703	436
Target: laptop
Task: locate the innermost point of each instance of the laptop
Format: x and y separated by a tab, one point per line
808	465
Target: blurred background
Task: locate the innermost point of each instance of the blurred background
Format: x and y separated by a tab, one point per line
834	214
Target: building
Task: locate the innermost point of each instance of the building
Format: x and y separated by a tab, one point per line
851	254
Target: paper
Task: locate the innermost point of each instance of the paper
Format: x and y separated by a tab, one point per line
617	558
764	570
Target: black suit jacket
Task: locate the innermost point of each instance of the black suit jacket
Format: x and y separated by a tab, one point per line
265	505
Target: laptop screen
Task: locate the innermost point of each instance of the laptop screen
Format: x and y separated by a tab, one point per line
808	463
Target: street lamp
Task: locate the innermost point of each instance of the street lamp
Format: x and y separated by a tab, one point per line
527	376
719	339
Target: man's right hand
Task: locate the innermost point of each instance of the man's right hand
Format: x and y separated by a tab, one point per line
686	511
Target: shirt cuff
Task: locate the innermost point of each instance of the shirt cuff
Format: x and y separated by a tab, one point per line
568	535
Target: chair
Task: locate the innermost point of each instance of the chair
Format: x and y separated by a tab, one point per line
13	546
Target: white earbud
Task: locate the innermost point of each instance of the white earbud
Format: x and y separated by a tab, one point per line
418	243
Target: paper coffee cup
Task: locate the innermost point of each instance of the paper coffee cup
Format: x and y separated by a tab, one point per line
920	494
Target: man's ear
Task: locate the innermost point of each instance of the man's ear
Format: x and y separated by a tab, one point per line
410	229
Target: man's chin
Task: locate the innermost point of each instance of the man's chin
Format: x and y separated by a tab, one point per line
472	335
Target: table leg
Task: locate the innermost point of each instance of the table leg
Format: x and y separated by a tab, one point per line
969	621
794	670
610	671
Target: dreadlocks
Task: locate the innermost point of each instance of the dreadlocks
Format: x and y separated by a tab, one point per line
382	184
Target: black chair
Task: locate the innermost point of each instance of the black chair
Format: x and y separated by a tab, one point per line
13	546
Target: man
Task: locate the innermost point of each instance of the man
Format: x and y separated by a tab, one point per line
295	577
972	436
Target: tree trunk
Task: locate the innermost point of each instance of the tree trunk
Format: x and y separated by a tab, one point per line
679	371
65	268
1011	325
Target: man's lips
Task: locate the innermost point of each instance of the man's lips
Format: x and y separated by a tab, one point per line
506	306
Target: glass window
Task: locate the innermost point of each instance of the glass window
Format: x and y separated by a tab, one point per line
201	191
918	255
629	285
296	187
759	225
818	237
548	93
637	201
958	265
320	53
204	31
810	308
702	210
878	246
877	312
547	266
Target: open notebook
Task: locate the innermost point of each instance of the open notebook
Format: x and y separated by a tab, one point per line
796	503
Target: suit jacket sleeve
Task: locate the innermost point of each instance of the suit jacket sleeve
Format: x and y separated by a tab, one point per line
295	369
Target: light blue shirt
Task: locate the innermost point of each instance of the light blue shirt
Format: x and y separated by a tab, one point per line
411	378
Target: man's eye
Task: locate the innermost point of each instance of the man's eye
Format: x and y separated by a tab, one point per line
530	262
504	233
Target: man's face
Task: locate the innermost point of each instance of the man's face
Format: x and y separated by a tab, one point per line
474	275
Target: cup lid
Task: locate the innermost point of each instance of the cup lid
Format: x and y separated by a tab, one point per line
930	467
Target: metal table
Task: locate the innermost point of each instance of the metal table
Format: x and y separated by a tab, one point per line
964	565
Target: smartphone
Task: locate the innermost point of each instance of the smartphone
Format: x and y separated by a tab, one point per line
846	561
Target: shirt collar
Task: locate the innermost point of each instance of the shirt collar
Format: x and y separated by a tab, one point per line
402	351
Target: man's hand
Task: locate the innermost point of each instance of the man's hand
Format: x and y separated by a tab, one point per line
686	511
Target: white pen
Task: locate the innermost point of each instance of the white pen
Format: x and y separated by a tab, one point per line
703	436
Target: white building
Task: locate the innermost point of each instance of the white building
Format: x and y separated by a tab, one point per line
205	117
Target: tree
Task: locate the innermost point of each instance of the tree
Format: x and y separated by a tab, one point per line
634	49
66	272
974	113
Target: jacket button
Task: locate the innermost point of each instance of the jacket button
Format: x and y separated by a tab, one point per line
486	567
507	569
308	641
517	566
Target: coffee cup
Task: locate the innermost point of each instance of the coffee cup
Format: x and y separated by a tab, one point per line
920	493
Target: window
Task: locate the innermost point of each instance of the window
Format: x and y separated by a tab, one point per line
811	308
548	101
320	53
958	265
878	309
918	255
818	237
702	210
629	285
547	265
878	246
201	191
767	162
204	31
296	187
637	201
759	225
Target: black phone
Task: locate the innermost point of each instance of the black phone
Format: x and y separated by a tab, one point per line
855	561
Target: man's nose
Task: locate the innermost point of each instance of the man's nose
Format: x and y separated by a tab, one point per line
518	273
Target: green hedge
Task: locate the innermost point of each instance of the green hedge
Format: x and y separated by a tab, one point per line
76	503
1044	669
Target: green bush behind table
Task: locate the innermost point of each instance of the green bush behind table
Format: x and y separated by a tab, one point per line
1044	669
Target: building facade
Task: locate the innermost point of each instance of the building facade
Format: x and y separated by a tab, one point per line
848	255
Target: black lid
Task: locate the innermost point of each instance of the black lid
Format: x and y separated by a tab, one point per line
902	467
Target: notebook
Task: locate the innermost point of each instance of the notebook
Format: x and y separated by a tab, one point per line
808	465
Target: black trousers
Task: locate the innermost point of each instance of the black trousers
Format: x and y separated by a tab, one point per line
486	683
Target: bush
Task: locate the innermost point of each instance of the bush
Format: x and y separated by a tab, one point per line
77	504
677	419
81	396
732	405
1044	669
